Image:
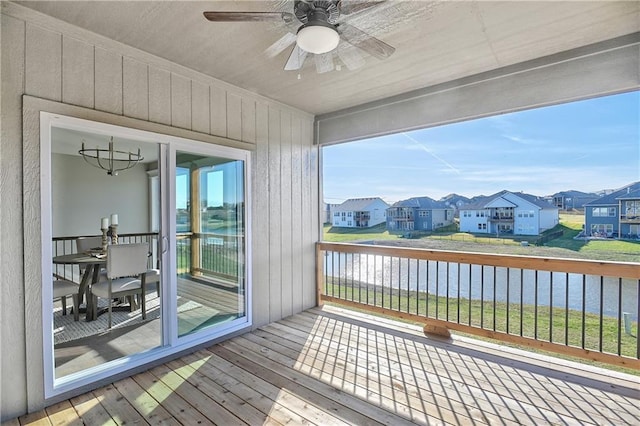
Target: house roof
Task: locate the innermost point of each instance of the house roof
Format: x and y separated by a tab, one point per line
631	191
358	204
483	202
422	203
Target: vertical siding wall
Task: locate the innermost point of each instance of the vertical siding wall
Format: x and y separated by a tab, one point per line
49	59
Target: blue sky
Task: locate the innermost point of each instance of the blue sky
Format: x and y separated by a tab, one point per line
587	146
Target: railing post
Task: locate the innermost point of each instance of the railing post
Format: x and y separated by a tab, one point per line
319	275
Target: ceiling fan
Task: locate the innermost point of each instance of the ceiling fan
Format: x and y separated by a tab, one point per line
323	26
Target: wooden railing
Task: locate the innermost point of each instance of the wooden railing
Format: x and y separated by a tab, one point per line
581	308
209	254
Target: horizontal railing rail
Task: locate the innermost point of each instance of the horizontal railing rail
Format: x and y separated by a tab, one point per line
577	307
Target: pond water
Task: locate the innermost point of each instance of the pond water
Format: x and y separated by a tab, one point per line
561	290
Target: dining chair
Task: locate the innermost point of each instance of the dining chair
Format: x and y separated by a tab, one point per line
63	288
84	244
126	276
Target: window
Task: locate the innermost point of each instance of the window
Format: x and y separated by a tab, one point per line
423	213
601	229
349	214
604	212
482	226
632	208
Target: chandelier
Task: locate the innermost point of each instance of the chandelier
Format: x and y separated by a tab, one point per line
111	160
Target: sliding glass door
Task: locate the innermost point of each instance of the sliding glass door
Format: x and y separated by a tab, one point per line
186	200
210	236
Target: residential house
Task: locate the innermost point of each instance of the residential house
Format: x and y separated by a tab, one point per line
359	213
214	110
569	200
419	214
614	215
455	201
327	209
508	213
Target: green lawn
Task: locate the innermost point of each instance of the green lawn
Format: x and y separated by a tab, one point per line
349	235
597	249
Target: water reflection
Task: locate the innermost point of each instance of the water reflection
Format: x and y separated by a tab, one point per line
557	289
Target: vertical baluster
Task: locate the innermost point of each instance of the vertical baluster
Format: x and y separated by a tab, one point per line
426	307
367	278
601	312
447	297
437	289
494	296
566	309
535	306
458	308
375	282
619	316
584	309
360	273
390	282
550	306
399	281
521	300
418	287
508	299
408	282
325	262
481	296
333	273
470	288
382	283
353	255
340	254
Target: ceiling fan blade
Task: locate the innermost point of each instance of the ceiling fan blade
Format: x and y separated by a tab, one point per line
364	41
348	7
324	62
276	48
249	16
350	56
296	59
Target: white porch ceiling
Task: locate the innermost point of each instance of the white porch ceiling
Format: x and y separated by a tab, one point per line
435	42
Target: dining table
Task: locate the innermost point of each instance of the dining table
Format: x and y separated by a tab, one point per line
91	263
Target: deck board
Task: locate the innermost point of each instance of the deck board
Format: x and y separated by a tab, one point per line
328	366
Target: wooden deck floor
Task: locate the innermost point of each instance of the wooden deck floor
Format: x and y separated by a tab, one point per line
329	366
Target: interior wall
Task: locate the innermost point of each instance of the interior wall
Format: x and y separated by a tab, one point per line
77	207
48	59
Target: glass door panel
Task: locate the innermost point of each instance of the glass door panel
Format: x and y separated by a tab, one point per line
85	199
210	241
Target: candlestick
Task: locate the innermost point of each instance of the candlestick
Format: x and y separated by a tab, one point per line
114	218
113	230
104	223
105	240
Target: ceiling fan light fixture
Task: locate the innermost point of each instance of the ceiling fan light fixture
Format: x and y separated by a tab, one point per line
317	39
